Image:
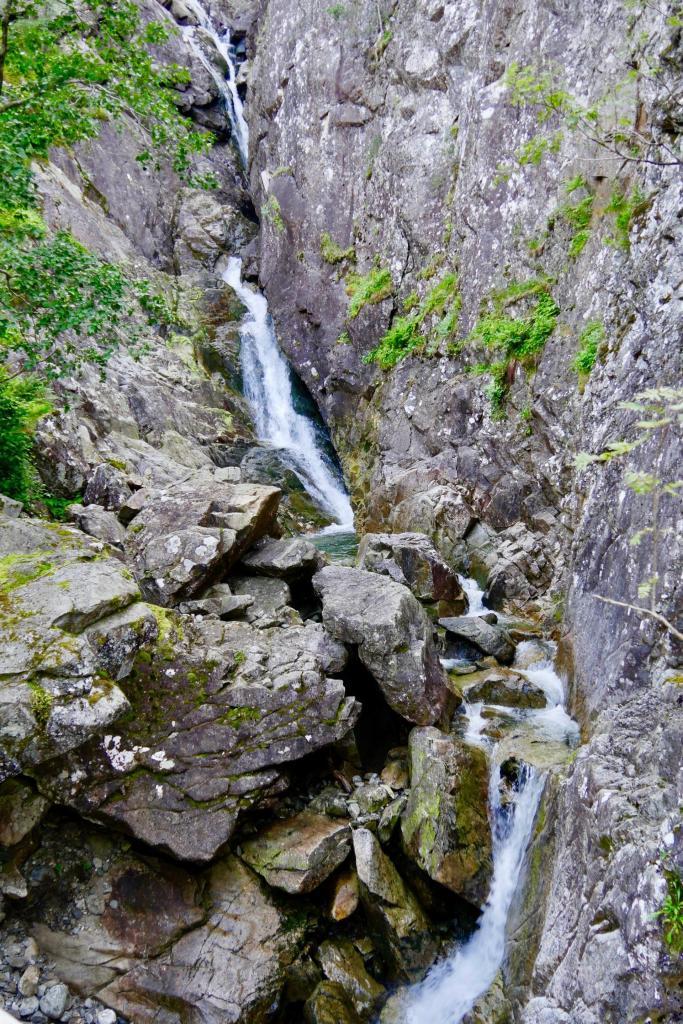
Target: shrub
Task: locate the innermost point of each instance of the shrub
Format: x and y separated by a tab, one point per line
671	913
23	400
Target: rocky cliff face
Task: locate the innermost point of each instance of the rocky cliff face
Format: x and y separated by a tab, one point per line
384	177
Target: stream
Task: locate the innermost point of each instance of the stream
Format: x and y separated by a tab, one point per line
538	738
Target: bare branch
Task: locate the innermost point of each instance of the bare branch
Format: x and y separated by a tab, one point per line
669	626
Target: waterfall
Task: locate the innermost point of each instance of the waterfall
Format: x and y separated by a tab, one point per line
227	84
268	389
451	988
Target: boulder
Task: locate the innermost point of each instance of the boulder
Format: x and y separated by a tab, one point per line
445	827
509	690
220	601
412	559
70	626
9	507
299	853
329	1004
215	710
343	964
393	635
269	600
346	896
158	943
288	559
488	638
107	487
98	522
403	932
189	534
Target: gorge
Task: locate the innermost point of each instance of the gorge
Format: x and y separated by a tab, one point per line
340	546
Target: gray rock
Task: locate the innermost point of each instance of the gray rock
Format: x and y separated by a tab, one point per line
329	1004
107	487
287	559
54	1002
299	853
493	640
247	700
412	559
220	601
9	507
445	826
401	927
98	522
21	809
269	600
191	533
393	635
28	982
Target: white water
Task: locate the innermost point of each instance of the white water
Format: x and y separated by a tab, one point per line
227	84
474	595
451	988
268	389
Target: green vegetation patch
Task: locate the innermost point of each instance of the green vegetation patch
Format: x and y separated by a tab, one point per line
368	290
41	704
271	212
333	253
589	342
418	330
671	913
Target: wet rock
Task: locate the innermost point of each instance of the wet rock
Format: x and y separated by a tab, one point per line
393	635
412	559
445	827
287	559
341	963
401	926
329	1004
246	702
346	896
298	854
192	532
98	522
490	639
509	690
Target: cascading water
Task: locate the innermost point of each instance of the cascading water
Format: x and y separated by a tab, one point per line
267	379
227	84
268	389
451	988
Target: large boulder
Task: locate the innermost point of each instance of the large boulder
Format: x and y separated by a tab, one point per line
445	827
70	624
401	927
393	635
488	638
507	689
216	710
299	853
412	559
342	963
155	941
189	534
330	1004
288	559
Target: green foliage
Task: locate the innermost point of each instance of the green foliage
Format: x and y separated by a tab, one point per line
589	342
578	215
333	253
23	400
57	507
671	912
337	11
514	339
67	68
407	333
272	214
368	289
625	206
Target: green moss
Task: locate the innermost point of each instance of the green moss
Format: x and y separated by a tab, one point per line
236	717
433	267
333	253
344	338
239	657
118	464
625	207
369	289
407	333
41	704
272	213
589	342
17	570
400	340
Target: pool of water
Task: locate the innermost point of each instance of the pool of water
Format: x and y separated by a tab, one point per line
340	545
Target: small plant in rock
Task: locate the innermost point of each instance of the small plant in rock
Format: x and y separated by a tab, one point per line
626	206
337	11
368	290
590	340
671	913
41	704
333	253
417	330
271	212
